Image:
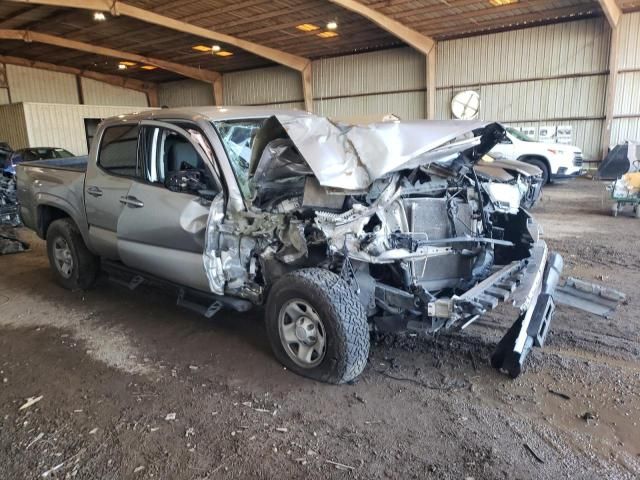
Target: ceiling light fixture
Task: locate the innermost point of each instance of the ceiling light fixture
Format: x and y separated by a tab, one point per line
499	3
328	34
128	64
99	16
148	67
122	66
333	25
307	27
216	48
201	48
224	53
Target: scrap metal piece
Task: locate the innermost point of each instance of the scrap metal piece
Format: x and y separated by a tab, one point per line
589	297
10	242
532	326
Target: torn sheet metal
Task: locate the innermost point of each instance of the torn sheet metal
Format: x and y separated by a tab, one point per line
213	265
589	297
351	157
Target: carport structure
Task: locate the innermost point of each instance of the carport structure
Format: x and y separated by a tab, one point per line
139	44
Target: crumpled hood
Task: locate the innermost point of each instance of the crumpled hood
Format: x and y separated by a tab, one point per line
351	157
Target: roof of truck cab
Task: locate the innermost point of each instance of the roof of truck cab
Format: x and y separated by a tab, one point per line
205	113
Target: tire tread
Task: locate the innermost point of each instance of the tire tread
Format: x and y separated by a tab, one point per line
352	339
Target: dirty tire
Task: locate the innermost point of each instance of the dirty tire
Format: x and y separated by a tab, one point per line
542	166
85	264
343	316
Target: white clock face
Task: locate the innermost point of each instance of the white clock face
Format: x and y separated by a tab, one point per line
466	105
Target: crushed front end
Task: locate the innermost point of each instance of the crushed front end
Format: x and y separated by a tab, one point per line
426	241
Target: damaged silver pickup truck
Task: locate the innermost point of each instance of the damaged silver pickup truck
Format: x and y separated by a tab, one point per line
335	229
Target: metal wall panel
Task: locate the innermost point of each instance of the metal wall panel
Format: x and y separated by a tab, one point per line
550	50
284	105
389	81
406	105
185	93
552	74
4	96
393	70
100	93
627	102
57	125
575	97
13	127
36	85
625	129
262	86
629	56
628	94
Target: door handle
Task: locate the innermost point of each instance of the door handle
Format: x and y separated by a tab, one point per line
131	201
94	191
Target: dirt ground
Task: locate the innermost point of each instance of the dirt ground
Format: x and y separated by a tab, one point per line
114	367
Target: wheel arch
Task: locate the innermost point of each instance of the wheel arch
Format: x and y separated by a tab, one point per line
542	158
49	212
51	207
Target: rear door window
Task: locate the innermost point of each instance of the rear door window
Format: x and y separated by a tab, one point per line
118	152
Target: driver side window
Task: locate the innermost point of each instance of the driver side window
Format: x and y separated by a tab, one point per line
167	152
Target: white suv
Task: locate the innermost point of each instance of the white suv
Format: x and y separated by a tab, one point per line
557	161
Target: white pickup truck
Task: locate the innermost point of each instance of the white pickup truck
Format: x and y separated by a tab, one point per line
557	161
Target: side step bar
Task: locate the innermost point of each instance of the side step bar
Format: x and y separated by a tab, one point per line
204	303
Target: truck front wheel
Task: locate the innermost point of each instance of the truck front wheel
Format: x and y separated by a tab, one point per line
317	326
546	177
73	265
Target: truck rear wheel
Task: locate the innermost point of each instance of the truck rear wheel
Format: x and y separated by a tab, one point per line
317	326
73	265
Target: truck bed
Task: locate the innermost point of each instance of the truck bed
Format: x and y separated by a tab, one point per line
56	183
78	164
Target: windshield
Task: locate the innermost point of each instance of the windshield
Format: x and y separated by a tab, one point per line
237	137
519	135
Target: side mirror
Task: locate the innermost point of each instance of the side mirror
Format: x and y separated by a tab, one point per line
186	181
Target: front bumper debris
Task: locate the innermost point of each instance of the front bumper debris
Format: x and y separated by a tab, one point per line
517	282
589	297
527	285
532	326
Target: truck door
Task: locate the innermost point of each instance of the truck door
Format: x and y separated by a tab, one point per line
162	228
108	182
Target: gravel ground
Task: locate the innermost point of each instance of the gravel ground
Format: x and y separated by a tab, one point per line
132	386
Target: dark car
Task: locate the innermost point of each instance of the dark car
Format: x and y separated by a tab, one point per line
5	153
31	154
